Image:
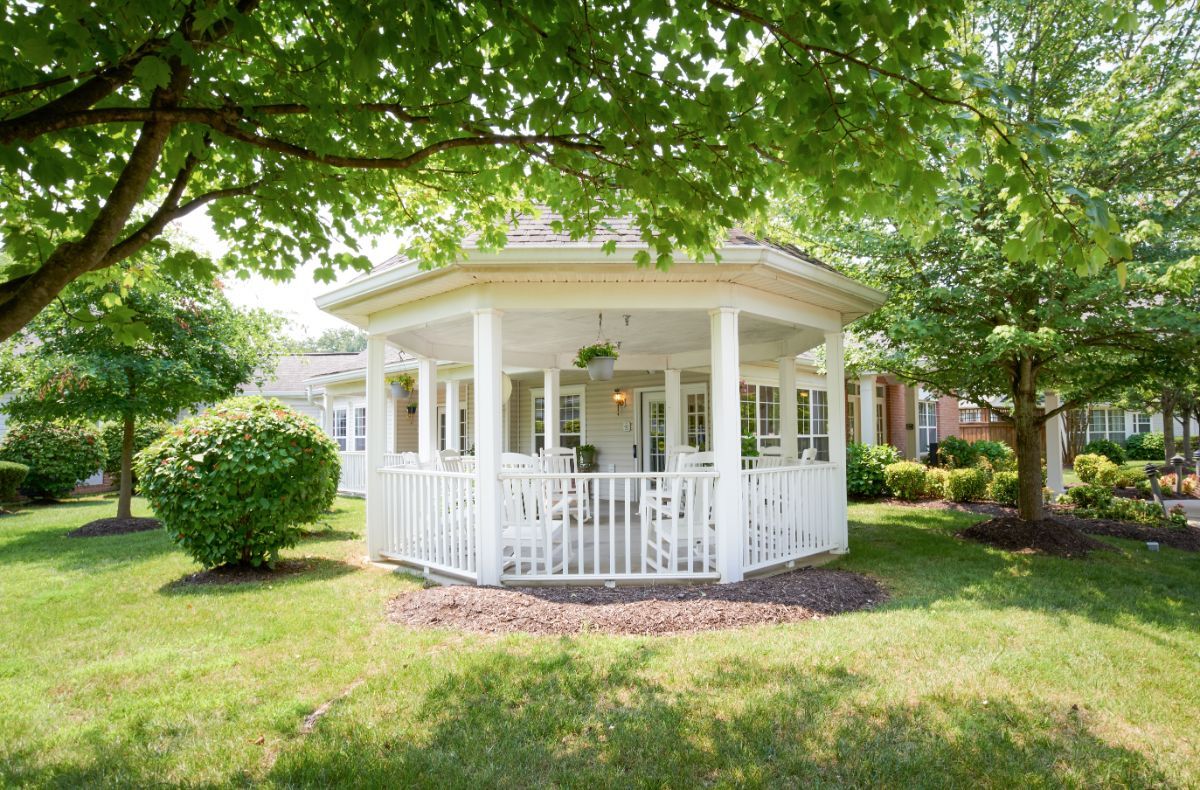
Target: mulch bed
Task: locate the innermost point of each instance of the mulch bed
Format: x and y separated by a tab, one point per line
806	594
103	527
245	574
1048	536
1183	538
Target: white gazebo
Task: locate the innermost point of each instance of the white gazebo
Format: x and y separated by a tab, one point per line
706	514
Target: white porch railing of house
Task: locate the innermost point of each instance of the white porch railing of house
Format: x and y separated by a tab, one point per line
598	527
354	471
431	520
788	513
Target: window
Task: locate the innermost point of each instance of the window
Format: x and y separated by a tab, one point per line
852	419
1141	422
768	417
995	416
926	425
360	428
812	421
462	429
970	415
696	406
1106	424
570	418
880	414
339	428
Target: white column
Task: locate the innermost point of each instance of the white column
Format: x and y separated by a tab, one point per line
866	407
427	421
727	441
788	424
327	413
453	407
911	391
835	382
1054	445
376	446
674	432
550	416
489	396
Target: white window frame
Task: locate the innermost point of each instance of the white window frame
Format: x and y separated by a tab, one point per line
563	392
341	427
360	439
462	427
1113	421
881	423
808	434
927	425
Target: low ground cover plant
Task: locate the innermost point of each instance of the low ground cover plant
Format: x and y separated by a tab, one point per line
58	455
234	485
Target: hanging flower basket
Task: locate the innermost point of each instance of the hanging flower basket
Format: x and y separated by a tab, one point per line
402	386
599	359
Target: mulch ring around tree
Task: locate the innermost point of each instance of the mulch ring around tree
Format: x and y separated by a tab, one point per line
103	527
1182	538
1048	536
806	594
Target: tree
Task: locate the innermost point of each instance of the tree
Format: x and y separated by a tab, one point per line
991	306
190	347
1170	384
340	339
299	126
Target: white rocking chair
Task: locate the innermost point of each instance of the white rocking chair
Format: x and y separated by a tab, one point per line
566	496
669	513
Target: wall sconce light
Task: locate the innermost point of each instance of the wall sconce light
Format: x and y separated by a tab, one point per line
620	398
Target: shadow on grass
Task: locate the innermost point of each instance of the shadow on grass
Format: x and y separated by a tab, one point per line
288	572
919	558
328	535
107	552
576	718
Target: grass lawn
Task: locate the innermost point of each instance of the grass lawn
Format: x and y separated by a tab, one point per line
1070	478
985	668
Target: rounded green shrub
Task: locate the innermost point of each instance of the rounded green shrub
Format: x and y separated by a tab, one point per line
955	453
1096	469
905	479
966	485
998	454
1090	497
1130	478
12	475
1110	450
144	434
935	482
58	454
235	484
1145	447
1005	488
864	468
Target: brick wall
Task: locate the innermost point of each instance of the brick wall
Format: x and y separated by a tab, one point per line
897	434
947	412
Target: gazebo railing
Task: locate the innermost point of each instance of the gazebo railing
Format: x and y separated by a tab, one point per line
432	520
353	478
789	513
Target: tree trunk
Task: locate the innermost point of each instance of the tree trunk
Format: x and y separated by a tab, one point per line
1168	415
1185	418
1029	444
125	497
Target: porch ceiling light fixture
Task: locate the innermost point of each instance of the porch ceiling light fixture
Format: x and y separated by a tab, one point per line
621	399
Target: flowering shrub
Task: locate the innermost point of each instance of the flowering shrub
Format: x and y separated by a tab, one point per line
905	479
234	485
58	454
1167	484
864	468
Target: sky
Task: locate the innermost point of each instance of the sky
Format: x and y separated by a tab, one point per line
294	299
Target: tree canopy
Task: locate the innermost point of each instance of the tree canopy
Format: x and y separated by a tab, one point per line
992	308
299	125
341	339
183	345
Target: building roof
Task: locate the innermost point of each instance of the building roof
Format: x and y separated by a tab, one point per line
539	231
293	371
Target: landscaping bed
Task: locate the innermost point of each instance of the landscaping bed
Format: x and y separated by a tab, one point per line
103	527
806	594
1048	536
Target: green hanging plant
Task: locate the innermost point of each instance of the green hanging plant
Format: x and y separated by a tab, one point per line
588	353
